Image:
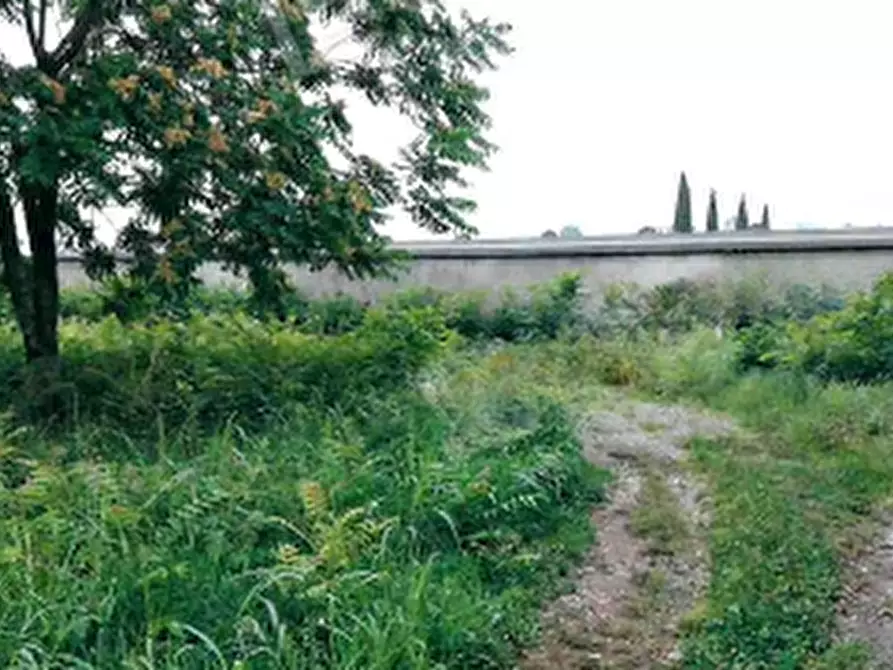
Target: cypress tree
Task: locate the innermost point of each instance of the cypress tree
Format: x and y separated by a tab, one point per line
682	220
712	214
764	223
742	221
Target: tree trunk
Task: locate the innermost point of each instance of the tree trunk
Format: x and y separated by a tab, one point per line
33	284
40	206
17	275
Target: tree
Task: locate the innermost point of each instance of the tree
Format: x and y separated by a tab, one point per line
682	220
712	214
764	221
571	232
217	122
549	234
742	221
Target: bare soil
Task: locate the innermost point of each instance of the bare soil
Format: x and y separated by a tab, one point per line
648	567
865	612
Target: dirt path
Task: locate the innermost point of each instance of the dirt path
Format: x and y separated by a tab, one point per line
865	613
649	565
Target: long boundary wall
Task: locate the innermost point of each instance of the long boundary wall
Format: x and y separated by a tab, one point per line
844	259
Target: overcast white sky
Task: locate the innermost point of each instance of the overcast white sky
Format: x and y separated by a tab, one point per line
605	101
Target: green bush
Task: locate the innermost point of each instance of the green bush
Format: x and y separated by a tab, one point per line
208	369
542	312
853	344
757	346
334	316
685	305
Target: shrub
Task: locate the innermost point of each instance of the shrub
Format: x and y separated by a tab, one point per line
543	313
757	346
207	369
684	305
852	344
335	316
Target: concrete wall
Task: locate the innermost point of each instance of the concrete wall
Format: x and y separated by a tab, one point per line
845	259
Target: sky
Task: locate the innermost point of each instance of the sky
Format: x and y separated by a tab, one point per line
603	103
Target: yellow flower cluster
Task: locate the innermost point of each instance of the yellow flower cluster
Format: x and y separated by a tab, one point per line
167	74
359	197
275	181
262	110
176	137
57	89
161	14
217	141
211	66
125	87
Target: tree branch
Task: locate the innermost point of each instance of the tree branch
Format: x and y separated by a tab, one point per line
35	39
71	45
42	24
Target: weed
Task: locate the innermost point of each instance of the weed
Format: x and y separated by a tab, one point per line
783	503
400	533
658	517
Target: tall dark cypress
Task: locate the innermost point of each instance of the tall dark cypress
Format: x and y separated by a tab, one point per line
682	220
764	222
742	221
712	214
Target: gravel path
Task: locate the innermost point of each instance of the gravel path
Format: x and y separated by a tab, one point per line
631	592
628	600
865	613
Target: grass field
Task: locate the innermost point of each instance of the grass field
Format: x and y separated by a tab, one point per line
404	487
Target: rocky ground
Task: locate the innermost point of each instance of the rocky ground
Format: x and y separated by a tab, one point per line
865	612
649	566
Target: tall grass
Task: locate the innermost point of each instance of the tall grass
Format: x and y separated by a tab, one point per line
359	488
374	518
811	464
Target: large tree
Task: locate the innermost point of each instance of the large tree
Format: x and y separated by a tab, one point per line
218	122
712	214
682	220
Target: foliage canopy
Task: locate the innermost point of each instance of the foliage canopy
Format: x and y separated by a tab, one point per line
222	124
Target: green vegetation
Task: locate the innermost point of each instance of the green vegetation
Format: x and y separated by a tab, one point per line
851	344
571	232
682	222
219	491
764	220
196	479
658	518
402	486
742	219
712	214
787	498
233	112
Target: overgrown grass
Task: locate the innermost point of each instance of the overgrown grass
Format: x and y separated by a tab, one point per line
415	529
817	464
813	463
658	518
361	488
